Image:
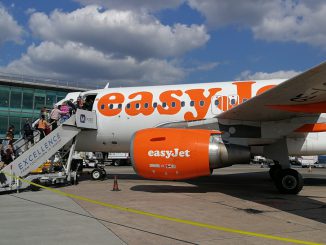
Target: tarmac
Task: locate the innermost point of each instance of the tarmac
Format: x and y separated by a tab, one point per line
239	198
46	218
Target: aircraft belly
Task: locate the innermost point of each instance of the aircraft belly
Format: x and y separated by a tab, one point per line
312	144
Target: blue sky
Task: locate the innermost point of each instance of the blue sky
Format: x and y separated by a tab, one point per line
131	43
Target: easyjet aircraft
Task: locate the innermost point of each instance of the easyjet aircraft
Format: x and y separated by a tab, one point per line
184	131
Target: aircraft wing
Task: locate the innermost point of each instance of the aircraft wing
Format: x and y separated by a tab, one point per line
302	95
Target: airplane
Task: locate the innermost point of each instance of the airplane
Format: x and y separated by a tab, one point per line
184	131
177	132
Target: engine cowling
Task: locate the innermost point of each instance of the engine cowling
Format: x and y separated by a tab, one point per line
172	154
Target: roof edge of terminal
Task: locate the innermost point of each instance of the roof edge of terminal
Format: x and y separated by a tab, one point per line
42	85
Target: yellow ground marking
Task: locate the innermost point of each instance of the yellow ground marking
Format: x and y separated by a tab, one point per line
163	217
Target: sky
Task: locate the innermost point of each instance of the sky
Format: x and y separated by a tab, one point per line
150	42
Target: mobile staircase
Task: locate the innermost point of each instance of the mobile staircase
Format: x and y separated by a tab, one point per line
63	137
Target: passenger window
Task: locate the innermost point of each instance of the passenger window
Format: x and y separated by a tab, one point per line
137	105
183	104
111	106
120	106
102	106
164	104
173	104
128	106
146	105
154	104
216	102
201	103
192	103
232	101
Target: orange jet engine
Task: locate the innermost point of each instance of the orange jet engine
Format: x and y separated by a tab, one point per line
172	154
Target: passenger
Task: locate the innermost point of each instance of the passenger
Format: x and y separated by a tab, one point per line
72	107
64	112
42	125
54	117
79	103
28	133
45	113
7	157
88	105
7	150
11	131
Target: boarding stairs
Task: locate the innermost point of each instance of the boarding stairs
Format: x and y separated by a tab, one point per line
62	137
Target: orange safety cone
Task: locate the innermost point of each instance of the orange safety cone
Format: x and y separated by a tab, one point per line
115	184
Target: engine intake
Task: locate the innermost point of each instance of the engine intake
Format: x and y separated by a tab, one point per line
171	154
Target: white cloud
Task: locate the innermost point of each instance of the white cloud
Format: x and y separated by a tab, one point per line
96	45
220	13
74	61
280	20
143	5
248	75
203	66
122	33
9	29
30	11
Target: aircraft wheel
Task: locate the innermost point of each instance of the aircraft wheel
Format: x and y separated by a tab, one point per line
288	181
117	162
273	170
96	174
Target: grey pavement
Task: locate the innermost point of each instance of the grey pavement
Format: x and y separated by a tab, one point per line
47	218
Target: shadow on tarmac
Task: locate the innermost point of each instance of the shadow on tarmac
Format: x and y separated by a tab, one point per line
255	187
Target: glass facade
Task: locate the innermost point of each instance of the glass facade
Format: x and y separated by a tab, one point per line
19	103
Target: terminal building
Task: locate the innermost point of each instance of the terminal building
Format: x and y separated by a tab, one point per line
22	97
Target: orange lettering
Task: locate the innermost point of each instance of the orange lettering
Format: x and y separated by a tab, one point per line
173	104
264	89
244	90
143	106
106	104
223	103
201	103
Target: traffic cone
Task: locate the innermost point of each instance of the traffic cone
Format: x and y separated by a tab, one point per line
115	184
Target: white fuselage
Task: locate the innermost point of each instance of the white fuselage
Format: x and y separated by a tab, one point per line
115	131
123	111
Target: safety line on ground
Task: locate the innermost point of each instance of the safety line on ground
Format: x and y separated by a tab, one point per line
163	217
